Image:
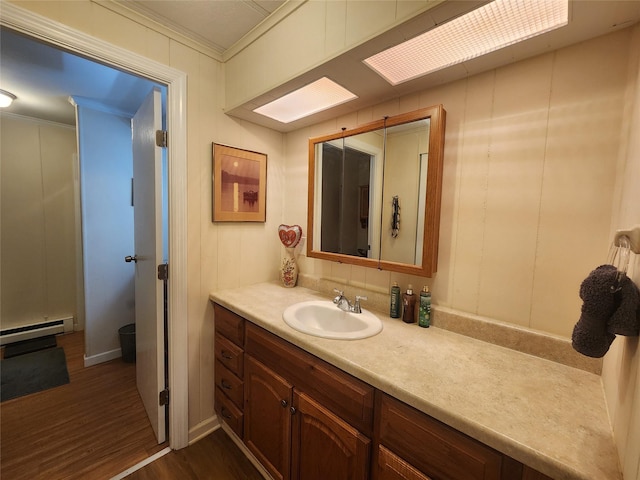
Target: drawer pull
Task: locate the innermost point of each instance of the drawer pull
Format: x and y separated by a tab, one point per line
227	355
284	403
225	385
225	413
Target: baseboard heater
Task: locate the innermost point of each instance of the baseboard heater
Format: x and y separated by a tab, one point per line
36	330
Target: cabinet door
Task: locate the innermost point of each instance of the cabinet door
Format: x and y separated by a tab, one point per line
392	467
267	428
324	446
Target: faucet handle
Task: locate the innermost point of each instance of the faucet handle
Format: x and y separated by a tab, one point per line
356	305
340	295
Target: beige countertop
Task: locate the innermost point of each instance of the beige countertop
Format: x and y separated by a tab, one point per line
548	416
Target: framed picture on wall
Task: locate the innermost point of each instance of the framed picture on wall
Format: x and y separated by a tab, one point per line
239	185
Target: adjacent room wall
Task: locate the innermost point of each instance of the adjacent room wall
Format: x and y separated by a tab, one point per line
37	166
106	169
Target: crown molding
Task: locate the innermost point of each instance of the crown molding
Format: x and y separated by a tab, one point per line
146	19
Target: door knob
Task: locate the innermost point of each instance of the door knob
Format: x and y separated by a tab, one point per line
130	259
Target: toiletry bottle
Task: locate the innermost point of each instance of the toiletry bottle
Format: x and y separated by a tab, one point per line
394	308
424	312
409	303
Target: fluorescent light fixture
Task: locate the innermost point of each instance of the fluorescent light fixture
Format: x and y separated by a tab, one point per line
312	98
6	98
481	31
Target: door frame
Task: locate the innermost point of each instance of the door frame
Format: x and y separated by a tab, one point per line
62	36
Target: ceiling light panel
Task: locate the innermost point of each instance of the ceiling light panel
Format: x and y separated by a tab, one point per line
481	31
313	98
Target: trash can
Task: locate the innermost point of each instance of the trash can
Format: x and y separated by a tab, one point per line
128	342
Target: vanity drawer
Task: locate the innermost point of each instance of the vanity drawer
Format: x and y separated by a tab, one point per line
345	395
392	467
434	448
229	324
229	354
229	413
231	386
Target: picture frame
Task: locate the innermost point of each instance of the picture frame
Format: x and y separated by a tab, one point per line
239	184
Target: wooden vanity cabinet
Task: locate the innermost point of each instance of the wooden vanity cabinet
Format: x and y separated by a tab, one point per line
305	419
229	367
292	423
531	474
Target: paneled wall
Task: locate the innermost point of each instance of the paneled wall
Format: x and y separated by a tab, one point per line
38	267
530	164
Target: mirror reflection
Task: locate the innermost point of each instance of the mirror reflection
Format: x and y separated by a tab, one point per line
374	192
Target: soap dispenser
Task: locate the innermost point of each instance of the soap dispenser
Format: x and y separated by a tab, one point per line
409	303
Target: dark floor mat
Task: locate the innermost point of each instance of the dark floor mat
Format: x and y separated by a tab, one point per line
28	346
32	372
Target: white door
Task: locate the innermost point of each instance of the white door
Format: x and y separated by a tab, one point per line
149	290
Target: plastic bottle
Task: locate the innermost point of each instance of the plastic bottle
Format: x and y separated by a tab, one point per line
424	311
409	303
394	308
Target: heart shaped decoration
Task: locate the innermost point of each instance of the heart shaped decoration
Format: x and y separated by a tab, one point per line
290	235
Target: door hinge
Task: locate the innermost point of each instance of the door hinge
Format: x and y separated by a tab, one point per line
163	271
164	397
162	138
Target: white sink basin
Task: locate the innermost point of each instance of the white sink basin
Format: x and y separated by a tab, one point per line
322	318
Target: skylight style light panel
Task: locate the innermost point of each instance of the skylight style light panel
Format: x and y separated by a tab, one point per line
493	26
313	98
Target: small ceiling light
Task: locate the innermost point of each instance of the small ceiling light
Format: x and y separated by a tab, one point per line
6	98
312	98
481	31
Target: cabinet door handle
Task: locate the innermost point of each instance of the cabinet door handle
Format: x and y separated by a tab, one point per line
284	403
293	410
225	384
225	413
227	355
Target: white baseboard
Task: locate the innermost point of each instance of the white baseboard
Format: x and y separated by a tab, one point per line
240	444
203	429
49	327
102	357
141	464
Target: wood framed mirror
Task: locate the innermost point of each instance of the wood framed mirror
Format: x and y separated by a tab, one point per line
374	193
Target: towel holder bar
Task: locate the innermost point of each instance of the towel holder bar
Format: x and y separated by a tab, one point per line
633	235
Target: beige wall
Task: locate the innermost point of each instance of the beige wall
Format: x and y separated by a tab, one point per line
37	165
542	165
621	372
530	164
218	255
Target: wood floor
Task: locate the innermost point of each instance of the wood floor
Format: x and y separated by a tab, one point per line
95	427
92	428
215	457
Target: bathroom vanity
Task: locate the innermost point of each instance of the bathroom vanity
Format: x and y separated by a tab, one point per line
407	403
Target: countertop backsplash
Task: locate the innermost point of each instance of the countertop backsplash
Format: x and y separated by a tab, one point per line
532	342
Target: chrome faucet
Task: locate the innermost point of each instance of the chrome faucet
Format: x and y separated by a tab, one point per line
345	305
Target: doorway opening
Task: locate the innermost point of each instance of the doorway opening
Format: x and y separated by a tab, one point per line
54	34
